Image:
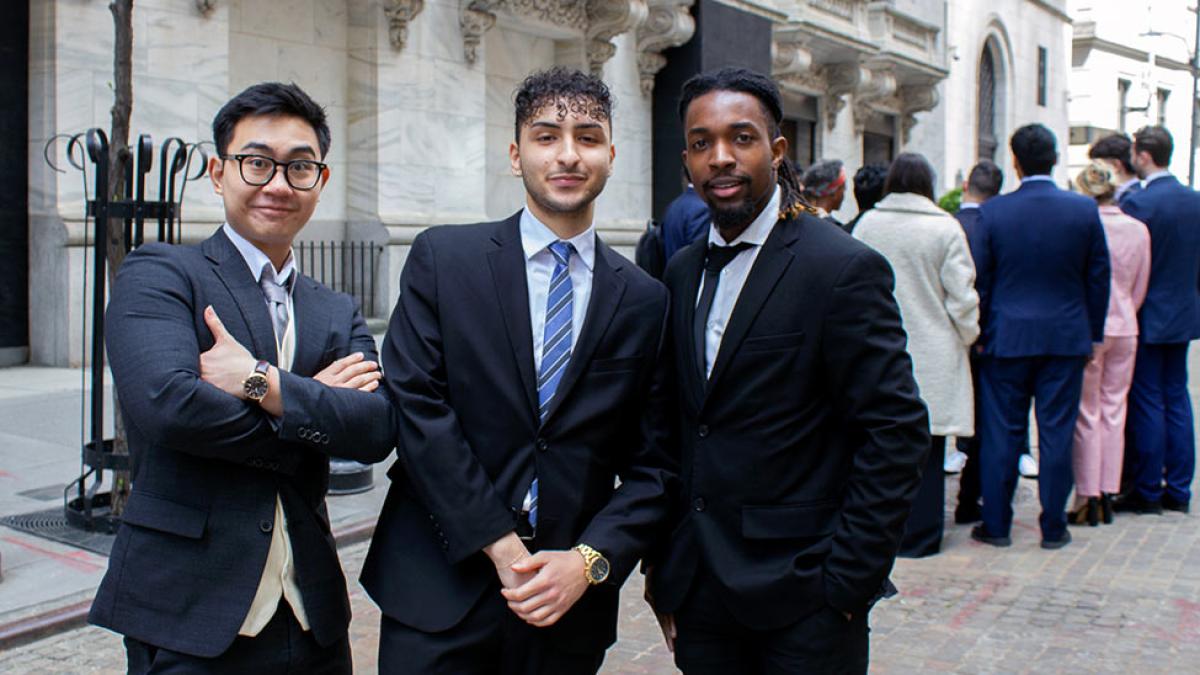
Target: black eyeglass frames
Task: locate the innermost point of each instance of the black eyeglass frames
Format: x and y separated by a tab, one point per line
258	170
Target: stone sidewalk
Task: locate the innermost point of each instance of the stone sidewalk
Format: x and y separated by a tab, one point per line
1123	598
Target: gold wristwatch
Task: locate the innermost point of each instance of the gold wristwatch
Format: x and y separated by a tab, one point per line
595	565
256	383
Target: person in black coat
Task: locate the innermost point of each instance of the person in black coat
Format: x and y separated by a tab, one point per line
801	430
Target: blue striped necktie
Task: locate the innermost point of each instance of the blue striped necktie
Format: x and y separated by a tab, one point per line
556	345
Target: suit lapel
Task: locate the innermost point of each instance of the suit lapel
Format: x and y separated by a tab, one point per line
770	265
231	268
507	262
607	289
312	326
693	266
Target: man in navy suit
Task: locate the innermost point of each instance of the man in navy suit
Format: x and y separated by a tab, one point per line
1042	276
1115	150
1160	411
685	220
524	358
238	378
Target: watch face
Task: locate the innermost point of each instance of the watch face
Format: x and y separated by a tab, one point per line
255	387
598	571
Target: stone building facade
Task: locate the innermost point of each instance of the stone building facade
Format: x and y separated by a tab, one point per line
419	94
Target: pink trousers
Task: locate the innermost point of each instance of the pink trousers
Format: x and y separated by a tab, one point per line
1100	428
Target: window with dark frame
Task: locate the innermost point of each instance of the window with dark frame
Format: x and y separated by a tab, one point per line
1122	104
1163	95
1041	78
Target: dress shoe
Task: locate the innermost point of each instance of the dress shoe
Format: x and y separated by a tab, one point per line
1088	512
1135	504
1062	541
979	534
965	514
1172	504
1027	466
1106	508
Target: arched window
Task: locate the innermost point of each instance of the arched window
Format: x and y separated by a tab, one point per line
986	105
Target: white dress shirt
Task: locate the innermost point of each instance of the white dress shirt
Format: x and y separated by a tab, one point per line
539	266
278	578
1155	176
733	277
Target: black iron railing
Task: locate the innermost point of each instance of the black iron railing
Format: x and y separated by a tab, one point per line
346	266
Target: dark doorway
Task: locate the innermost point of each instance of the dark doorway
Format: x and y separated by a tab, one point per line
14	188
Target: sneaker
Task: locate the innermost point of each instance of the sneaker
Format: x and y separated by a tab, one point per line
955	462
1027	466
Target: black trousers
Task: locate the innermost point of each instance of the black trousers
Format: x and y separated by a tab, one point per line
282	647
710	641
490	640
923	530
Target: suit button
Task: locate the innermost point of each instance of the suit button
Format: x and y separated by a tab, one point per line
266	526
698	503
542	445
702	431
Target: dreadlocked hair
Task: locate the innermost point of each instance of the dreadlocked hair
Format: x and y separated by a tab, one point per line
761	87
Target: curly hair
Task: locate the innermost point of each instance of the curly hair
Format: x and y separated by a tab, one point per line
761	87
570	91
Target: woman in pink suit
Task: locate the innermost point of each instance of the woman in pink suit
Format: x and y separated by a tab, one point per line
1100	429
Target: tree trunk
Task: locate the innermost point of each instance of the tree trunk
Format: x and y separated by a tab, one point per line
119	159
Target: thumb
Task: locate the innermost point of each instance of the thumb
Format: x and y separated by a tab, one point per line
531	564
214	324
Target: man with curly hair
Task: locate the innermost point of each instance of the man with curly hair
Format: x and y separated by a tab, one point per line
523	358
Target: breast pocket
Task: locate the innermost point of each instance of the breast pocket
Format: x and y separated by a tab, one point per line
773	343
619	365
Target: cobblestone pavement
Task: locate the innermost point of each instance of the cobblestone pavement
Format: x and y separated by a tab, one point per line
1123	598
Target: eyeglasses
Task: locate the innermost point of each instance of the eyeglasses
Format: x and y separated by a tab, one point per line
258	170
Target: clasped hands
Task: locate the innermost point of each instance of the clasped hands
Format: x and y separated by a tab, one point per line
539	588
227	363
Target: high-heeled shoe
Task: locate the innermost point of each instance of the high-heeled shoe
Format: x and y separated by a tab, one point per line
1106	508
1086	513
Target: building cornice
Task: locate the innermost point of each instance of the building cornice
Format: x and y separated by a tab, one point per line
1086	39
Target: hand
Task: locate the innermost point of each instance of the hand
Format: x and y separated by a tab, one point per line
504	552
558	584
665	621
351	372
227	364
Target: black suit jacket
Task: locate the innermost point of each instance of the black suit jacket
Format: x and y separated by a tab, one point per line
206	466
459	364
803	451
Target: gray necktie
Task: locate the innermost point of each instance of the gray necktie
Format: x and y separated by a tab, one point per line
277	299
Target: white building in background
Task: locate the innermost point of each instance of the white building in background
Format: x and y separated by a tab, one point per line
1130	68
420	100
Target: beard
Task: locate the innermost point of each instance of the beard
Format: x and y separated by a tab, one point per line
737	217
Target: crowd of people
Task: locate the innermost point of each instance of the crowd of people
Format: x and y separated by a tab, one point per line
1040	295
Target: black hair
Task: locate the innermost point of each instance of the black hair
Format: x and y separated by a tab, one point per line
1113	146
910	172
868	185
1155	140
270	98
761	87
1034	146
569	91
820	176
985	179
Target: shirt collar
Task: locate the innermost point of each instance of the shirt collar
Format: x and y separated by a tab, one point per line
1155	176
535	237
1039	177
968	205
758	231
257	261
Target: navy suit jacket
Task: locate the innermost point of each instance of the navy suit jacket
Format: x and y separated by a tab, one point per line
1171	211
685	221
207	466
969	219
459	365
1042	272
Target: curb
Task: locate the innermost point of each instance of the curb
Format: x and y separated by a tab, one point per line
60	619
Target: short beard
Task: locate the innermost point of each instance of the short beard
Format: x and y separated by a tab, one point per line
734	218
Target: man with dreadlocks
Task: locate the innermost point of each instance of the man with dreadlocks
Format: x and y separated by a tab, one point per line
802	434
523	358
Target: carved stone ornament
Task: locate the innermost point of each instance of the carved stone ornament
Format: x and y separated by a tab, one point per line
877	88
399	14
607	19
915	99
842	79
206	7
668	25
474	18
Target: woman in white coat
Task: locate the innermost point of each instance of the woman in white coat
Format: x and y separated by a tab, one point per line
935	288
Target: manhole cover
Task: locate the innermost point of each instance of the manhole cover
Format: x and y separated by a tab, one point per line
52	524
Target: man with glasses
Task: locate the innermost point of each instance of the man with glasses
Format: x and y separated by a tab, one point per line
238	377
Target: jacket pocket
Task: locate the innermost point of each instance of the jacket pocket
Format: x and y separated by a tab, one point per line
769	343
615	365
790	521
158	513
